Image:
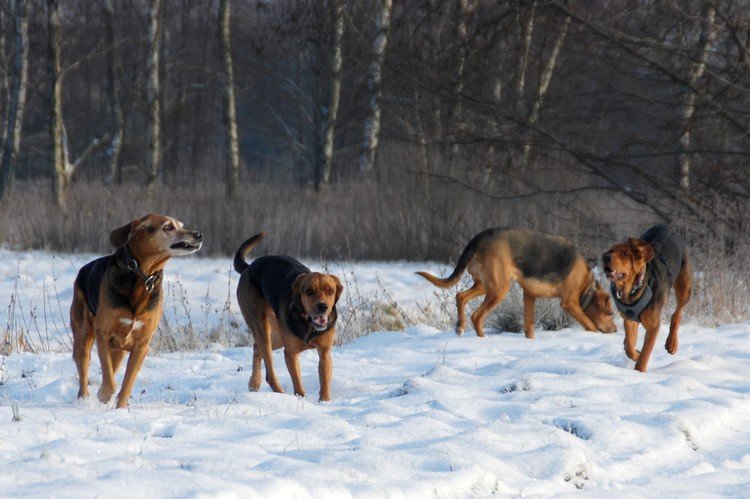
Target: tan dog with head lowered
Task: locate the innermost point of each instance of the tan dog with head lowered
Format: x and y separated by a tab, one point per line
544	266
117	300
287	305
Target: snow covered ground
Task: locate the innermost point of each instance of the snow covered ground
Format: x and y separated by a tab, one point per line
416	413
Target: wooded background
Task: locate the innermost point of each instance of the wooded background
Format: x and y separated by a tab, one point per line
372	128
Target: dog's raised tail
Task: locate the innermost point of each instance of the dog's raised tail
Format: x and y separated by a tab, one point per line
239	258
463	262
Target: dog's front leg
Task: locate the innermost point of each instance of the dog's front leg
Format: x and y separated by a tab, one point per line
652	331
292	364
528	314
325	371
135	361
108	376
631	336
574	308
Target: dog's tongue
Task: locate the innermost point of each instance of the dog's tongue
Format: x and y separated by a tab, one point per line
320	320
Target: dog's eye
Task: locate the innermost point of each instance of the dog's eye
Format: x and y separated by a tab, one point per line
168	228
330	291
309	292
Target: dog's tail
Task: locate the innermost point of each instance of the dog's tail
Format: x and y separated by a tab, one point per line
239	258
463	262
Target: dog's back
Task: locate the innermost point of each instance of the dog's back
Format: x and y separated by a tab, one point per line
89	280
669	252
274	275
540	256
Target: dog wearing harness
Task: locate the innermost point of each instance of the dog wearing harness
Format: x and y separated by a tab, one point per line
117	300
641	272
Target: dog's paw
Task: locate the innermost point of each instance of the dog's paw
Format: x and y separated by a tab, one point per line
671	344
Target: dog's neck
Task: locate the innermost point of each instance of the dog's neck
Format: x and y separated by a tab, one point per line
148	270
588	294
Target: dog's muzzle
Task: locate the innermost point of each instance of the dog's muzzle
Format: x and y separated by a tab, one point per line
190	244
319	322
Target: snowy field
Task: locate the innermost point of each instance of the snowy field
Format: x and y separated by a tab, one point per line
415	413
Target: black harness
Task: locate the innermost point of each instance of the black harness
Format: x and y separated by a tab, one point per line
633	310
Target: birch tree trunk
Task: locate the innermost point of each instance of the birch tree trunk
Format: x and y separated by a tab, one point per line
372	122
16	99
705	42
118	120
544	81
230	111
454	117
57	129
152	93
323	177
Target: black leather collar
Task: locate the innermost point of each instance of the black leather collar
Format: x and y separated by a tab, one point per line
132	265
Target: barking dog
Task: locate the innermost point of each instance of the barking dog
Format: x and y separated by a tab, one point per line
117	300
287	305
641	272
545	266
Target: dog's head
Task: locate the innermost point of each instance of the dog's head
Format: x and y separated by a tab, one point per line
624	263
157	234
600	311
316	295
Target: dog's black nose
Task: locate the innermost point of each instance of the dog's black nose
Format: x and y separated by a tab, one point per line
197	235
607	258
322	306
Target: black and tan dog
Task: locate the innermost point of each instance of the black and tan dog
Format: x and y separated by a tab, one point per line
544	266
117	300
642	271
287	305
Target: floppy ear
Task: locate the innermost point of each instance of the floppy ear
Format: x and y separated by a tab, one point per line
642	249
121	235
339	286
297	284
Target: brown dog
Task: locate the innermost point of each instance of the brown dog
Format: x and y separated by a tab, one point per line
287	305
117	300
642	271
545	267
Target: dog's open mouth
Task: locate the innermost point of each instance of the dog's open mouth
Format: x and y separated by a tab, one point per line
186	246
319	322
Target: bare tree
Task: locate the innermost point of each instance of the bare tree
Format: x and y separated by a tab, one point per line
64	166
544	80
152	93
335	63
230	112
115	67
11	139
463	9
705	42
372	122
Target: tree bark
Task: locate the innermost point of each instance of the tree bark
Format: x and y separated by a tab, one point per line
705	41
118	120
544	81
62	177
230	111
454	117
323	177
374	80
16	99
152	94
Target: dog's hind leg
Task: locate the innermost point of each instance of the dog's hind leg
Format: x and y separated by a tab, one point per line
496	287
255	377
83	341
266	351
682	290
462	297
